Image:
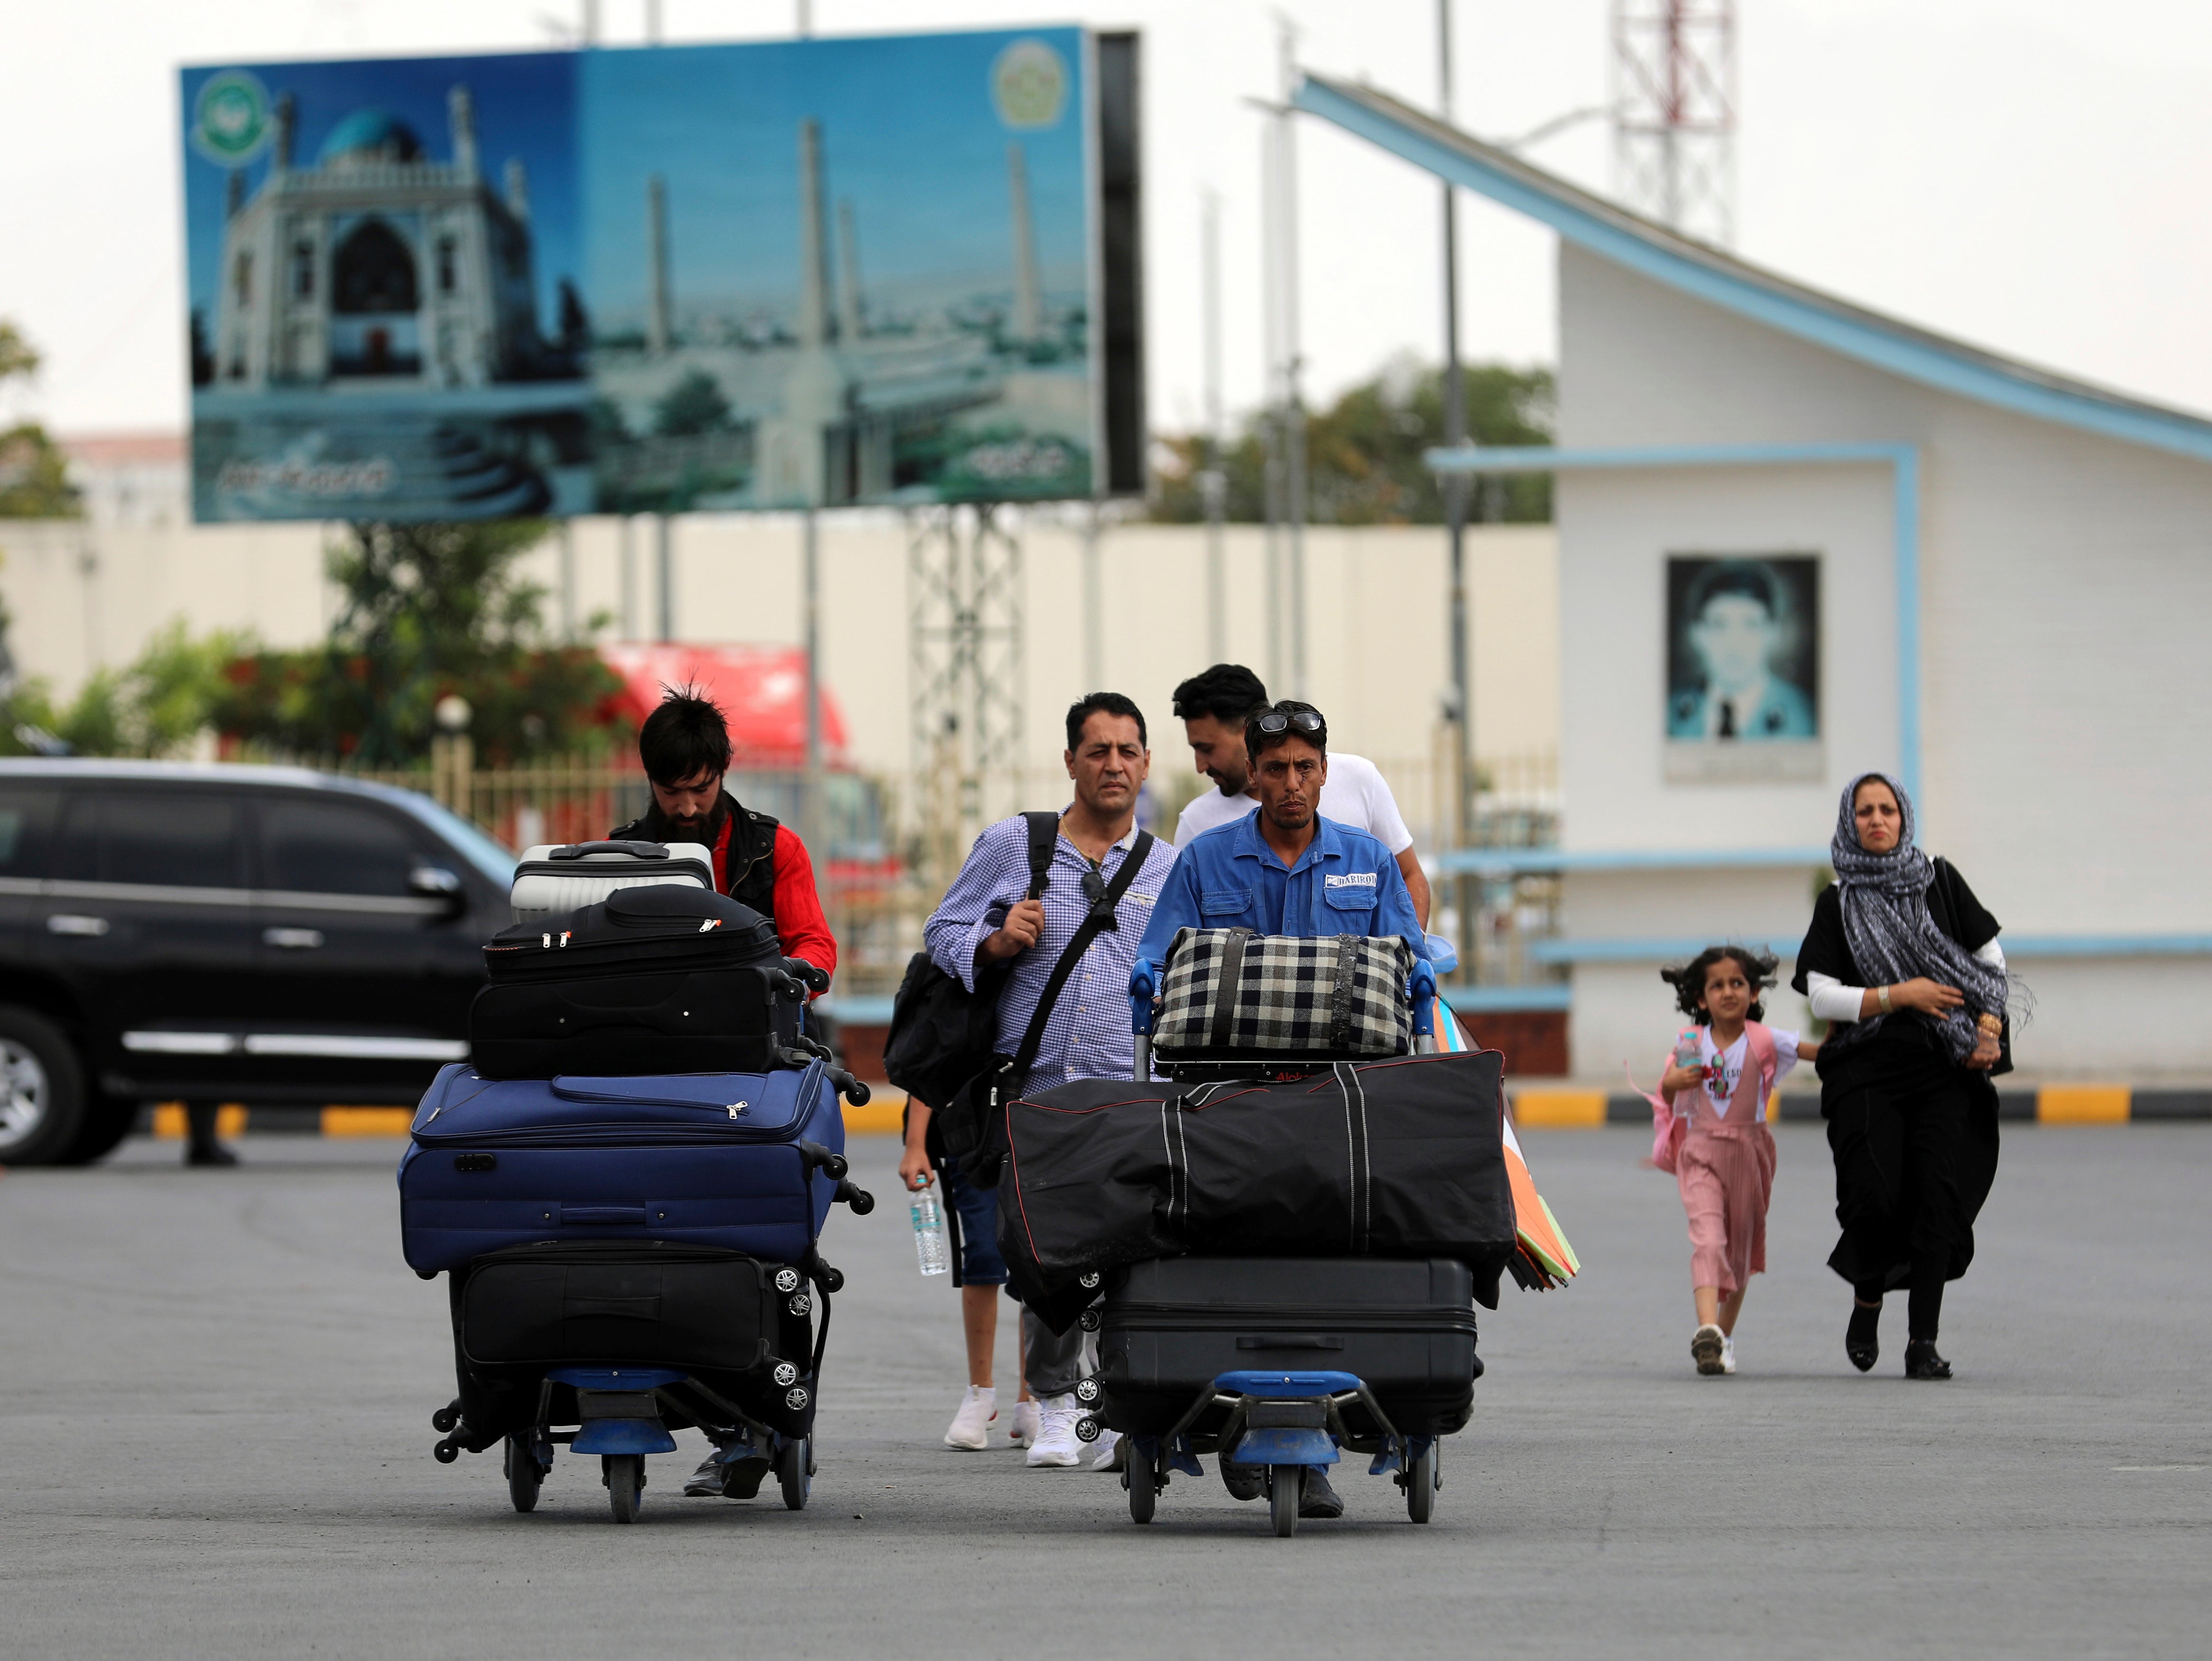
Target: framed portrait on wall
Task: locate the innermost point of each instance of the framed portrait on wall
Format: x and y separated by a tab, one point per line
1743	668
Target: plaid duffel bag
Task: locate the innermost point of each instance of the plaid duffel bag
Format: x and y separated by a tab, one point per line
1229	993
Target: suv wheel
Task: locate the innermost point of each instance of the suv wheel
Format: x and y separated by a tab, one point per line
42	1097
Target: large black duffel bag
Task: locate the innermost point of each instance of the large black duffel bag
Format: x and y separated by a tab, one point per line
1406	1328
663	979
1398	1158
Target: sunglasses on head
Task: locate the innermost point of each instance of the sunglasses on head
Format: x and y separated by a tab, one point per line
1281	721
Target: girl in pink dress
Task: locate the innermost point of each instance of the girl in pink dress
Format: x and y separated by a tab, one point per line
1712	1134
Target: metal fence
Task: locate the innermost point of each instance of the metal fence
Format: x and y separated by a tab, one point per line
883	869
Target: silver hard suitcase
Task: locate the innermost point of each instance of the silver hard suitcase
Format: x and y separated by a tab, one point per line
554	877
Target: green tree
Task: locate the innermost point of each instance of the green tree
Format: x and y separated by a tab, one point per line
693	404
429	610
1364	453
33	472
168	695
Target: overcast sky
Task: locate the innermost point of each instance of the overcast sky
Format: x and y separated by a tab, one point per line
2029	175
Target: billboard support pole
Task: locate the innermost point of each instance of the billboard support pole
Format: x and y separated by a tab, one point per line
1094	604
1465	781
1211	481
1271	426
1294	417
809	583
664	562
629	577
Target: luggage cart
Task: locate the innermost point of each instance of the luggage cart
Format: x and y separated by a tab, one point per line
1285	1423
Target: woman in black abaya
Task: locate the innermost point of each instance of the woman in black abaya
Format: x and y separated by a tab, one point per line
1904	962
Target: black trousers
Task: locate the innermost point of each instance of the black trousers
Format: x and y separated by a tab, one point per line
1915	1158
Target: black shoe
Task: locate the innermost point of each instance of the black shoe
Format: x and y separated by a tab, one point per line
1921	1360
734	1470
209	1153
1319	1499
1244	1481
1859	1341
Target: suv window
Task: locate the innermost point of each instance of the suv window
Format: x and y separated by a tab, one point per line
334	847
26	827
179	840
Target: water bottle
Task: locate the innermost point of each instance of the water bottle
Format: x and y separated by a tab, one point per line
929	1234
1689	1051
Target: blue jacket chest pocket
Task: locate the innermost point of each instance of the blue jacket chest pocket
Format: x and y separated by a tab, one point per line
1223	908
1349	905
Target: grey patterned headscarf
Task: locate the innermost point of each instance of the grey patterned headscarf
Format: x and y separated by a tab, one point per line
1892	936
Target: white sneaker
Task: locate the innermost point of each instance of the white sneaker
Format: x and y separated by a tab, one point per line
972	1425
1109	1452
1727	1353
1055	1439
1025	1424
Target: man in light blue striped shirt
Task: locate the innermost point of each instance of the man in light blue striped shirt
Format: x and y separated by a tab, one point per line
987	917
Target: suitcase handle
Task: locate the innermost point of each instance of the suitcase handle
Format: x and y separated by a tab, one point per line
602	1214
1288	1341
636	851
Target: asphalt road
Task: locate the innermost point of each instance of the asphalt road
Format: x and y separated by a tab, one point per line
215	1440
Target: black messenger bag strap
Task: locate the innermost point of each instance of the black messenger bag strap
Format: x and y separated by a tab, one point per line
1221	1027
1102	914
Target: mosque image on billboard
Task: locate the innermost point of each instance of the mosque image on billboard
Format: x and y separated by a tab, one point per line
845	270
806	273
382	277
1743	675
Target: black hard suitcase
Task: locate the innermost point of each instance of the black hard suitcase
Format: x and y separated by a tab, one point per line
1171	1326
663	979
634	1303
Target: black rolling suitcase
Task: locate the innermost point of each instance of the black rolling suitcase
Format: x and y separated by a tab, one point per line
630	1303
661	979
1170	1327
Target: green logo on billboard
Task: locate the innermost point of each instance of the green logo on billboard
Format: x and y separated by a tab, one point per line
1029	84
230	119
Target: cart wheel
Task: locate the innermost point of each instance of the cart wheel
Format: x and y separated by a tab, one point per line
1421	1484
1140	1472
794	1470
625	1479
1286	1487
445	1418
525	1476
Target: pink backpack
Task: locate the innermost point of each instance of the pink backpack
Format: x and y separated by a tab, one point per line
1669	1129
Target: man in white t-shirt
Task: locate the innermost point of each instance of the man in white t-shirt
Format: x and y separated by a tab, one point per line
1213	706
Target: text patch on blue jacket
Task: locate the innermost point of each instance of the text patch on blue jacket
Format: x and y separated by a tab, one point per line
1345	883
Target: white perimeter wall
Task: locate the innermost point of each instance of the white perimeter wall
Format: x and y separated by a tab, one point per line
1376	600
2066	589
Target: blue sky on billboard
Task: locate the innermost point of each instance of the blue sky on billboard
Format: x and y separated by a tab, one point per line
524	109
912	137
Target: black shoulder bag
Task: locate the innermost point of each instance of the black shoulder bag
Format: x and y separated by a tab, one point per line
942	1034
974	1122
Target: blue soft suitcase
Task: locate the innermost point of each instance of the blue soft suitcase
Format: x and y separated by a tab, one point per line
735	1160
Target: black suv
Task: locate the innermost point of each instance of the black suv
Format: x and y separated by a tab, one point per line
256	934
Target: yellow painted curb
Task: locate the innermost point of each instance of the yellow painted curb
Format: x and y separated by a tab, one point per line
2083	1103
367	1121
169	1121
1559	1109
880	1118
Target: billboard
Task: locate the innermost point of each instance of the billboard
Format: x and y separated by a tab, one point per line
899	270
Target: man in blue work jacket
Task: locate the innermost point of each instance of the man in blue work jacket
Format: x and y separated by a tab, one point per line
1285	870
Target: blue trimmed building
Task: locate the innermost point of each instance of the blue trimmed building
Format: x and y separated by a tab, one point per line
2002	580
